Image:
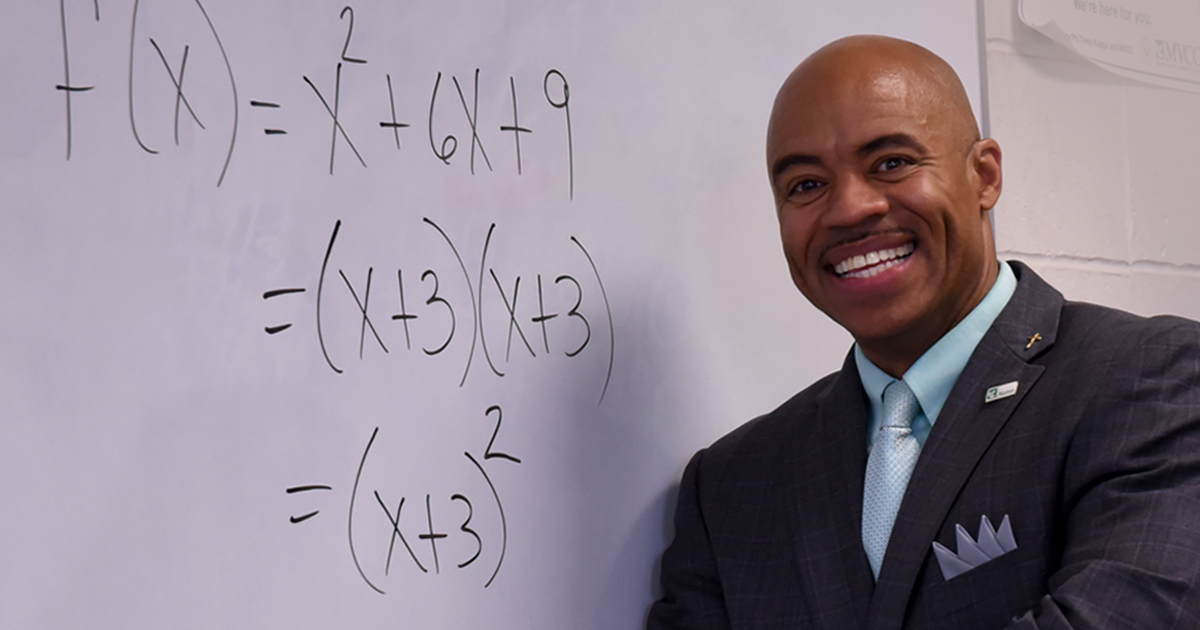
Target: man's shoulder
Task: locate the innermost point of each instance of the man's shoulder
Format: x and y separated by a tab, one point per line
1081	328
1093	326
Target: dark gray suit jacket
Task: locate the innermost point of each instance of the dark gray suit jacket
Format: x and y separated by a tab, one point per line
1095	460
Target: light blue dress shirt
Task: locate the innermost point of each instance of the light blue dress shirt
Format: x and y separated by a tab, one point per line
933	375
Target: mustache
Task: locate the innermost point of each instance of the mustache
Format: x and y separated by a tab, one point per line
855	235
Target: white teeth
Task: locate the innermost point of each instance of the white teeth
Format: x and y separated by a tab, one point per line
865	266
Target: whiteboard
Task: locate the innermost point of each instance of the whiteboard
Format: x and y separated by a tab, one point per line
386	314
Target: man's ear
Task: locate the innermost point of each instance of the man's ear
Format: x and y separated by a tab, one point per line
985	160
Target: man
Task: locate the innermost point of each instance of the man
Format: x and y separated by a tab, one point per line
1041	468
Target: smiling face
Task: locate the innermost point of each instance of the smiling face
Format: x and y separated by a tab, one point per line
882	190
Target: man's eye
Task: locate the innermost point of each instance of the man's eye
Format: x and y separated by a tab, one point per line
806	185
892	163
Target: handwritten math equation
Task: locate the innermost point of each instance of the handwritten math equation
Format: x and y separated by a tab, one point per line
453	101
580	313
436	534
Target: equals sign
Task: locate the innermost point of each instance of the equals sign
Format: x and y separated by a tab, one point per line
272	330
269	105
294	490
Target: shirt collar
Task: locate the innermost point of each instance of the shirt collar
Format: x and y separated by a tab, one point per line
933	375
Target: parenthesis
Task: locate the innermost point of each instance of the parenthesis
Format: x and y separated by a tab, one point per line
503	521
132	116
350	519
320	289
474	303
612	344
483	264
232	84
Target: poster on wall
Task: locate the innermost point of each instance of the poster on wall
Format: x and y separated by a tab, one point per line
1153	41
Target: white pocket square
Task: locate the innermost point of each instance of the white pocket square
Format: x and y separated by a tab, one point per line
991	544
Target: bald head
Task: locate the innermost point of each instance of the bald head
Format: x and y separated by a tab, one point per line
875	62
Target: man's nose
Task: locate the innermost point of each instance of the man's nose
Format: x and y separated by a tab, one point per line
854	201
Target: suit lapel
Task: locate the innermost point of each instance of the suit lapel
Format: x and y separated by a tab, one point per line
827	483
962	434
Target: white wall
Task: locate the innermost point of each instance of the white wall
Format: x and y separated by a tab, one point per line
1099	173
151	426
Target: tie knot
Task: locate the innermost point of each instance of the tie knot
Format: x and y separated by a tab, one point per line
900	405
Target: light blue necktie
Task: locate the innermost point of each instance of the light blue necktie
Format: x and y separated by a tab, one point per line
889	467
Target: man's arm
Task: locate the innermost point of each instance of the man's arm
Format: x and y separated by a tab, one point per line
692	595
1131	546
